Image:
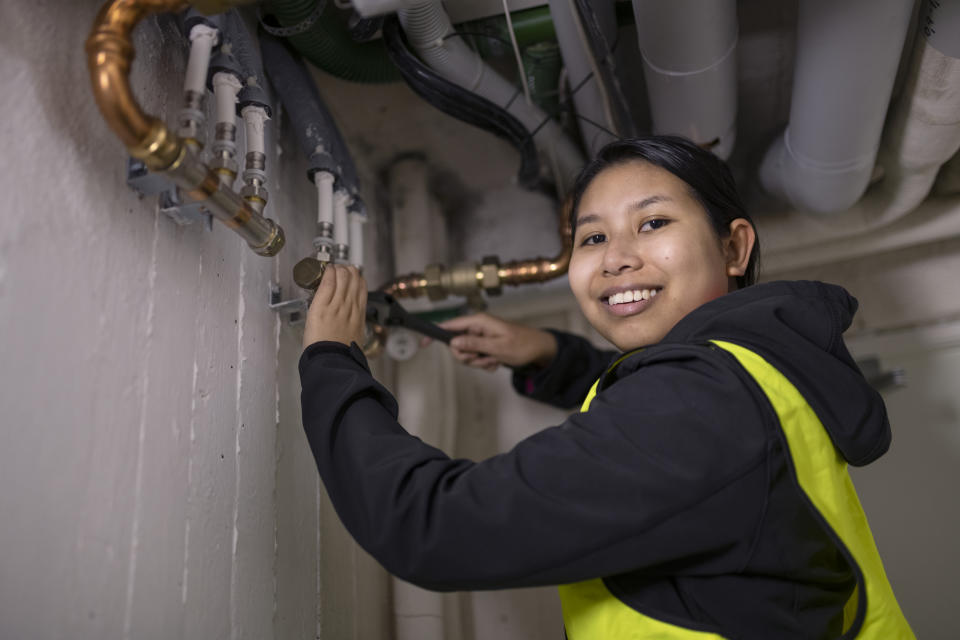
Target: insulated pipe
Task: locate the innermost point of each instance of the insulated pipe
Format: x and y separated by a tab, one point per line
847	56
689	64
427	25
109	54
922	133
589	99
316	129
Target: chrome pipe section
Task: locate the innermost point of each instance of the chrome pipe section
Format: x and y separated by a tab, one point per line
109	56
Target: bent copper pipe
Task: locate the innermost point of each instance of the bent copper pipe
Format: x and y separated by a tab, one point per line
109	55
517	272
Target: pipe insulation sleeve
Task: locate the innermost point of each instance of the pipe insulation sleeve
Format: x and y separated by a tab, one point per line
355	235
688	50
313	125
225	90
341	229
253	120
323	180
202	41
847	57
426	26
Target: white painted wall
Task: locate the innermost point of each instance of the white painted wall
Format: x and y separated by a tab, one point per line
154	477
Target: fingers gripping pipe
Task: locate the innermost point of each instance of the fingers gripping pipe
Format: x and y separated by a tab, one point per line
109	55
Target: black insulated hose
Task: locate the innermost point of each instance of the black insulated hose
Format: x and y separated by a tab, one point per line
319	136
460	103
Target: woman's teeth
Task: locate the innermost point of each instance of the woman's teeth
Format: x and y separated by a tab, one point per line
631	296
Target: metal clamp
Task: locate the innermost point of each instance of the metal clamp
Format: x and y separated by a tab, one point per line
294	311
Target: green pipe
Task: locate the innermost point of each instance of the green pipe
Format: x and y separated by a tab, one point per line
327	44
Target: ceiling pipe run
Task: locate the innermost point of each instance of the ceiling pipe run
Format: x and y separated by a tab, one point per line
109	55
689	64
430	32
847	57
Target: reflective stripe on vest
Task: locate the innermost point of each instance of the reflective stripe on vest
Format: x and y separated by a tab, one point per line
591	612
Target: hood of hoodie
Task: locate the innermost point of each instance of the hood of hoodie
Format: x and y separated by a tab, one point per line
797	327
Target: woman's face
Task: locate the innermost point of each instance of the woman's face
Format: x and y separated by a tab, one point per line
645	254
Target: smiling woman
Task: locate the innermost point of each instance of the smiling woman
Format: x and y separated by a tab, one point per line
701	492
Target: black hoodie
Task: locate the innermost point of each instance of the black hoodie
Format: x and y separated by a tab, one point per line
675	486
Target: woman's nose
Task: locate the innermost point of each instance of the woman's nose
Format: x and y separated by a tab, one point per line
621	255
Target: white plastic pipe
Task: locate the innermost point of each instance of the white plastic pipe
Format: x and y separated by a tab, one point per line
847	57
426	25
202	40
357	220
341	229
589	100
226	86
253	119
689	64
323	181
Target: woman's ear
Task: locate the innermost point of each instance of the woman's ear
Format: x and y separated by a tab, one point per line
738	245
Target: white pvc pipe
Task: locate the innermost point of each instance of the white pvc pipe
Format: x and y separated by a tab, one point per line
357	220
689	64
253	120
847	57
341	229
202	40
426	25
323	181
589	100
225	90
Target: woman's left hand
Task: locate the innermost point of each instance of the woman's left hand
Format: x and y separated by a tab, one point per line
339	308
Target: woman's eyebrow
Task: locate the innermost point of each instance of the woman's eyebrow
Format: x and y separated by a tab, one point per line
646	202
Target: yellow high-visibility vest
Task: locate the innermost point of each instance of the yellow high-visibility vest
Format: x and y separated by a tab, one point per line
591	612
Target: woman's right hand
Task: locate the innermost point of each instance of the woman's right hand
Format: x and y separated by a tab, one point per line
488	342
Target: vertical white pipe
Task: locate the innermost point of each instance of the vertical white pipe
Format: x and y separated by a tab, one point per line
323	181
225	90
253	119
689	64
341	225
357	220
202	40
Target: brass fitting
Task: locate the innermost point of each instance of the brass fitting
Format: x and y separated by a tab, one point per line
255	194
109	56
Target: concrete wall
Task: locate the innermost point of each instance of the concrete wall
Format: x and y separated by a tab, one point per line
154	478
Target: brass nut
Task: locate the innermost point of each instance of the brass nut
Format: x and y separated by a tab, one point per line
225	165
274	244
433	274
308	273
255	194
463	279
490	272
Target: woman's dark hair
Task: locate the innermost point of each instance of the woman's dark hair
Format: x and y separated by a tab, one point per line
708	177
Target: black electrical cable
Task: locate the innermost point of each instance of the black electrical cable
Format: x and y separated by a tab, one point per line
462	104
603	54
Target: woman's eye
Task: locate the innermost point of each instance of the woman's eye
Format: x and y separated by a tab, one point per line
653	225
593	238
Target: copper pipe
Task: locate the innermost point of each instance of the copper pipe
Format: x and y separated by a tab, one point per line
109	55
517	272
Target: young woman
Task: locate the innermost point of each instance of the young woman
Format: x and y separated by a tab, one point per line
702	490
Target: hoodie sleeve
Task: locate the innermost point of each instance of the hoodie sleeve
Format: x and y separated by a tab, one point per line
564	382
659	475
